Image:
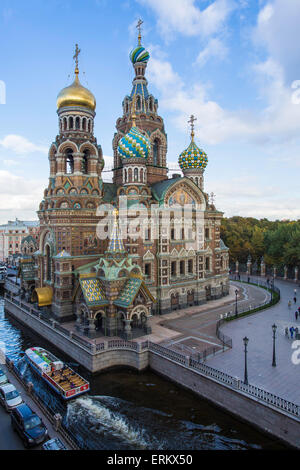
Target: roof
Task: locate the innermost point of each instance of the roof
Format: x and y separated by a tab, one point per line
26	270
159	189
129	292
44	295
63	254
93	292
222	245
109	191
24	410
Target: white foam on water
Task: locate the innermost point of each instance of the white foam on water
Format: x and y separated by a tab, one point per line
113	422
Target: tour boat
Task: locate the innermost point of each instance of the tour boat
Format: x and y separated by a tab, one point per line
67	383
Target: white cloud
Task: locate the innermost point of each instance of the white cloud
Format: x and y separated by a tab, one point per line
215	49
10	163
20	145
184	17
19	193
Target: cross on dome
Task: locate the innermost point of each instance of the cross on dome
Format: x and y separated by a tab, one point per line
75	57
139	27
191	122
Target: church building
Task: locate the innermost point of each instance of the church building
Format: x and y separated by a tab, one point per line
113	285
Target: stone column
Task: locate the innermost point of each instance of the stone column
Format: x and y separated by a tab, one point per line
236	267
249	264
262	267
77	163
127	329
296	274
111	323
92	328
285	273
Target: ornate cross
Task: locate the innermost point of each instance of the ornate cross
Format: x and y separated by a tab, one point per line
191	122
139	25
75	56
212	198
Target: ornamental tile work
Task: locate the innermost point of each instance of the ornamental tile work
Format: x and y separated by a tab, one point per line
134	144
129	292
193	157
93	291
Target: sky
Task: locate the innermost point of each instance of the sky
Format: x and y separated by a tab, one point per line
234	64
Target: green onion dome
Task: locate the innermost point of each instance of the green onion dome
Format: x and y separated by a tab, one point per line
192	157
139	54
134	145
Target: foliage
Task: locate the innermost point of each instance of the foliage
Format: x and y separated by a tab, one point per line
278	241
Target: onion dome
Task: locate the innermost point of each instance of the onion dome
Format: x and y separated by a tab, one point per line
192	157
139	54
134	145
76	94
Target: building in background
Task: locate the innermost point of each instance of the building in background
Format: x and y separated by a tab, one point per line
12	238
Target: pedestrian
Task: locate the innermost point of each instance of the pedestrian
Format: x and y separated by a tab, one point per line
289	304
296	315
248	279
240	279
286	331
295	299
296	332
299	310
292	331
295	292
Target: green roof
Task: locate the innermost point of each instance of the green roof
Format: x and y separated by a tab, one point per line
110	191
159	189
129	292
93	292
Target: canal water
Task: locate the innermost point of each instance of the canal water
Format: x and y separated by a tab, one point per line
128	410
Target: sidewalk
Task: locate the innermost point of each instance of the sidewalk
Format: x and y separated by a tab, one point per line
282	380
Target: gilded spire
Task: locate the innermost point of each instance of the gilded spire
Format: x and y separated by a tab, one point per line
139	27
191	122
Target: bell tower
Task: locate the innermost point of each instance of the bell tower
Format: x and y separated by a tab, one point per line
68	211
147	119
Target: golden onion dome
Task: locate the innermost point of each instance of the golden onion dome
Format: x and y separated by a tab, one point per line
76	95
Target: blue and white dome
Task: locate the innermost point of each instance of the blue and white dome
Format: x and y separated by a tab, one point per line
192	157
139	54
134	145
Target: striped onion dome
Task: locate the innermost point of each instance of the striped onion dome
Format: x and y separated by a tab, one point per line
134	145
192	157
139	54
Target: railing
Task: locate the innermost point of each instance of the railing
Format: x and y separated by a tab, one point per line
222	377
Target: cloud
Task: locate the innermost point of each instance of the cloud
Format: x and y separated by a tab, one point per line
19	193
184	17
20	145
10	163
215	49
243	196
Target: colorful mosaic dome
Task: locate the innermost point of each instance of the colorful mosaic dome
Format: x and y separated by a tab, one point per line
139	54
134	145
192	157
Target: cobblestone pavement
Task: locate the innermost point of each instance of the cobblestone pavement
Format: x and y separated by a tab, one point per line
282	380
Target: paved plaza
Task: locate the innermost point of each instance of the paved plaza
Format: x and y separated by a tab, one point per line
282	380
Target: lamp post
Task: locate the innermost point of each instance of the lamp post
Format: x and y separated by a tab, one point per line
236	309
274	328
246	340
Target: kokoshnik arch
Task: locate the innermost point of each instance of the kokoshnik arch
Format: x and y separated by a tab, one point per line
115	285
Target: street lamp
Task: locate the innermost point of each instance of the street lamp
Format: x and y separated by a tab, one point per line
274	328
236	309
246	340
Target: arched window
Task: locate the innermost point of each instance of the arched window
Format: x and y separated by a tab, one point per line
136	174
129	175
138	102
85	162
77	123
155	151
89	125
84	124
70	123
48	263
141	175
69	161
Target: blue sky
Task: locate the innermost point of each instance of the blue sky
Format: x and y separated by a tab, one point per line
230	62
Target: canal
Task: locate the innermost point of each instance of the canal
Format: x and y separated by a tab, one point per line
129	410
